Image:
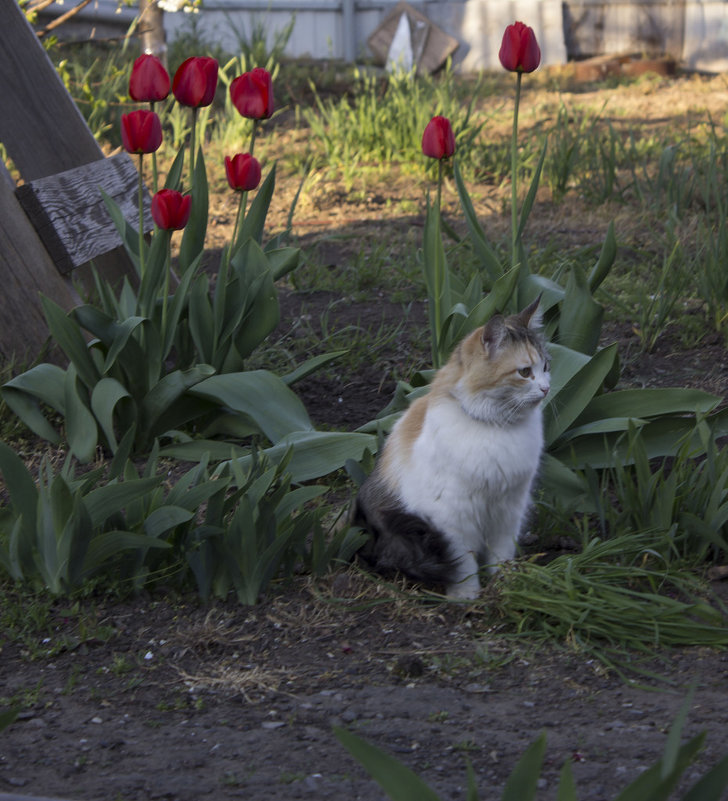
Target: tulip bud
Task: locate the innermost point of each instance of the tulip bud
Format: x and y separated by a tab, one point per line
195	81
243	172
519	50
438	140
141	131
252	94
149	81
171	209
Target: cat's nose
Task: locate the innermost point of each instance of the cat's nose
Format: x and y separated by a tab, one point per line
544	389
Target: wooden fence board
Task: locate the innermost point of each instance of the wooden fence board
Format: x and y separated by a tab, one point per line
69	212
26	270
40	125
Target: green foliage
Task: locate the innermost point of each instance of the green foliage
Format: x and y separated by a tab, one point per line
97	78
63	532
684	498
616	597
150	347
232	532
656	783
385	121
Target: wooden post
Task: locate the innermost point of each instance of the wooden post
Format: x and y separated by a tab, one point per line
44	134
26	270
41	128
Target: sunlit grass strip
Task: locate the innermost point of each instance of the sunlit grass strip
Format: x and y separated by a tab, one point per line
615	597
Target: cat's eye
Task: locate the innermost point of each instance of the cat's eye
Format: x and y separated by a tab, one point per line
525	372
547	366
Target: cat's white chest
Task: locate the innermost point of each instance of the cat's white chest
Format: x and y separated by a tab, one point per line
481	455
468	476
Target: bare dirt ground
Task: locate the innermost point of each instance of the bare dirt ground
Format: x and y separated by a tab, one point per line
162	697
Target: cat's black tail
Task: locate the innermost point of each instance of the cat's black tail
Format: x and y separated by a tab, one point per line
400	541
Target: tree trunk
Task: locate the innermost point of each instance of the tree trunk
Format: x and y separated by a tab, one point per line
151	29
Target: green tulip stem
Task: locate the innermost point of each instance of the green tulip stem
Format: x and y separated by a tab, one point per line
439	185
193	141
155	175
141	215
165	296
514	173
238	224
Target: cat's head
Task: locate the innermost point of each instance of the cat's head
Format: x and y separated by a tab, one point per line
504	367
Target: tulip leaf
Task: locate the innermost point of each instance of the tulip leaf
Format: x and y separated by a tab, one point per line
605	261
128	234
252	227
311	366
397	780
580	323
201	319
496	300
262	319
531	194
437	280
44	383
168	389
193	239
174	175
566	404
522	784
81	427
164	518
649	403
176	307
488	259
104	397
313	454
109	499
156	265
261	396
104	547
283	260
19	485
70	339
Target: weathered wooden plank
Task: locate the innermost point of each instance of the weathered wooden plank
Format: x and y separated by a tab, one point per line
40	125
26	270
69	212
43	131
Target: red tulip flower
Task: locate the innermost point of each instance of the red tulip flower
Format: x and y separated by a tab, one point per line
171	209
141	131
438	140
149	81
243	172
195	81
519	50
252	94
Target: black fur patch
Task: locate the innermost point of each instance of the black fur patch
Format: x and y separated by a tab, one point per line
402	542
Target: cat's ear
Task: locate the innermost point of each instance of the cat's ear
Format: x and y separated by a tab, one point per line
531	316
493	333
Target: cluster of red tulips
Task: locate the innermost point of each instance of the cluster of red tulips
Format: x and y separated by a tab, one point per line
194	85
519	53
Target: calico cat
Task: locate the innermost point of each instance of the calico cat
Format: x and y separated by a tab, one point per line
451	488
